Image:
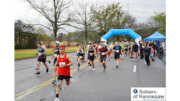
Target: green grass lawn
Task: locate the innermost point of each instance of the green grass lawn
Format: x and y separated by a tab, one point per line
32	52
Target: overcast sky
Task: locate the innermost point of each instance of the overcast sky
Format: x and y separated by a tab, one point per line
140	9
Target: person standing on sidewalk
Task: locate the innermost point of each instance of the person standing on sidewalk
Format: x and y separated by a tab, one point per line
147	50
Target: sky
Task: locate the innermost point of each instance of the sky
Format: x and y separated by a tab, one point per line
140	9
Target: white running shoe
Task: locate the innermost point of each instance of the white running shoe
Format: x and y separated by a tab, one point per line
93	69
134	59
56	99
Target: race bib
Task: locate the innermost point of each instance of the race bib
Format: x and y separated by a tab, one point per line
39	54
55	55
91	53
81	57
103	53
117	51
60	64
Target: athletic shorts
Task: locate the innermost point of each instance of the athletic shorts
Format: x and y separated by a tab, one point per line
116	56
152	54
91	58
81	56
135	53
126	49
42	60
61	77
109	53
103	59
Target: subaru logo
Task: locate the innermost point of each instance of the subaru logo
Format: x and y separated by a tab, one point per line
135	91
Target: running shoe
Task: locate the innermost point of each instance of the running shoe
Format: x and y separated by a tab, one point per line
93	69
56	99
78	68
36	68
47	70
54	82
84	61
116	66
37	73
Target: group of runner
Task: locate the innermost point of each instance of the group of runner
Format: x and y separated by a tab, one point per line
62	61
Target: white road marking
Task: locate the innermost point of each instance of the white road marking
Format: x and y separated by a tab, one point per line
134	68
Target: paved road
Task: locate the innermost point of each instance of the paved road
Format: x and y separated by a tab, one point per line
111	85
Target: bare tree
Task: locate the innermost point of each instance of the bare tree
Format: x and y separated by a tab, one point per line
53	11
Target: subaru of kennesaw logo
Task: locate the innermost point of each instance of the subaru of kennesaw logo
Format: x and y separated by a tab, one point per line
135	91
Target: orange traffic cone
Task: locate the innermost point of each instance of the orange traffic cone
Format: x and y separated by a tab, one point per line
131	55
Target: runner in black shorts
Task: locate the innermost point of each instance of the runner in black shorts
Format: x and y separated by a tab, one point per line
80	56
117	51
91	54
56	53
41	58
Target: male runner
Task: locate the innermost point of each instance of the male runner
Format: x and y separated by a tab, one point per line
41	58
126	48
109	53
64	62
103	51
80	56
45	50
56	53
91	53
117	51
112	45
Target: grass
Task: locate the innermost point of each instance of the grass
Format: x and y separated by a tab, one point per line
25	53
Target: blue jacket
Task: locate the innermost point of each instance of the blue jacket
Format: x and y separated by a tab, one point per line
158	44
147	50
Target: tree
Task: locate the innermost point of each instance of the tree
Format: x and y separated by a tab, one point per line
161	18
53	11
25	35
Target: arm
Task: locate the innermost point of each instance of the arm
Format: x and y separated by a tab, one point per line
71	62
94	50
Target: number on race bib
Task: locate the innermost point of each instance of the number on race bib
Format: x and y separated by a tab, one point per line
117	51
55	54
60	64
103	53
80	57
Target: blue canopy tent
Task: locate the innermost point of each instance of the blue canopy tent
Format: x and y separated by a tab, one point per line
129	32
155	37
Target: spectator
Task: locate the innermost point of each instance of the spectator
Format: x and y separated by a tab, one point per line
135	51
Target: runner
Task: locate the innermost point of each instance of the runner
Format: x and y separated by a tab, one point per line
91	53
117	51
77	54
103	51
147	53
122	46
99	47
56	53
64	62
80	56
126	48
109	51
83	47
45	51
111	46
41	58
135	51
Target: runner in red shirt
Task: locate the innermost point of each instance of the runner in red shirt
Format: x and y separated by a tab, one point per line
103	55
64	62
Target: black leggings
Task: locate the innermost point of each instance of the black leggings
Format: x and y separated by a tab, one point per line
147	59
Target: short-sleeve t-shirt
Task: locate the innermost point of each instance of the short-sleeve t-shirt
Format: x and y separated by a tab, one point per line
103	52
122	46
41	50
117	49
135	48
